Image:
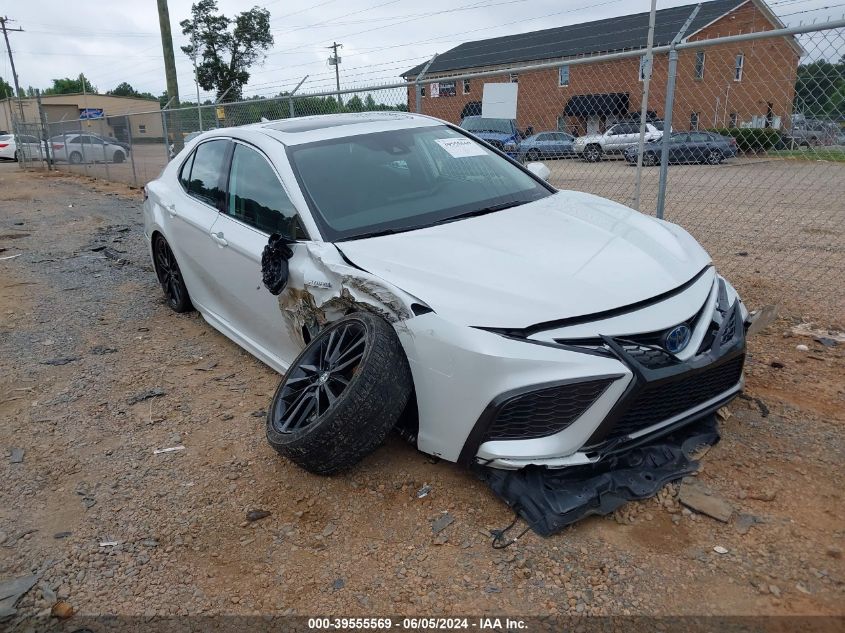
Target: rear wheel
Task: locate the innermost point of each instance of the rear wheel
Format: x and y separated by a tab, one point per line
17	156
341	396
118	157
714	157
649	159
170	277
533	155
592	153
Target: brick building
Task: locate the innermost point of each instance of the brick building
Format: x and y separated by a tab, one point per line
748	83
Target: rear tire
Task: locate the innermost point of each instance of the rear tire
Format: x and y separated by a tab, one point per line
329	412
649	159
170	276
532	155
17	156
714	157
118	157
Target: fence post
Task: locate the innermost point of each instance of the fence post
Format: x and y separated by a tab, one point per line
82	145
290	97
166	137
649	65
132	152
418	85
45	137
667	113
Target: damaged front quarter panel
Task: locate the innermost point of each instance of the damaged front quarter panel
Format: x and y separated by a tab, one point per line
322	287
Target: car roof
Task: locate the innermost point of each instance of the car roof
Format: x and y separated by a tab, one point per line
328	126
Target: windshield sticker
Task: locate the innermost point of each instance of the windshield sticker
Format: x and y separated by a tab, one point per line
460	147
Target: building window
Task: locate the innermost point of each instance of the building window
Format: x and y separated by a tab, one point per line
699	65
733	120
422	91
467	87
740	62
563	76
514	78
693	121
142	129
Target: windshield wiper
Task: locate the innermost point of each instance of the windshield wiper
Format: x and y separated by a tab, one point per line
361	236
483	211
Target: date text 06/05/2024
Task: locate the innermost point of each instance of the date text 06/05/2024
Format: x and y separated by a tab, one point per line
415	624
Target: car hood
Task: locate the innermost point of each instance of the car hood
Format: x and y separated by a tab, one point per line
589	138
493	136
570	254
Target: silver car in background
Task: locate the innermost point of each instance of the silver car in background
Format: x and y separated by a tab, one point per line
76	148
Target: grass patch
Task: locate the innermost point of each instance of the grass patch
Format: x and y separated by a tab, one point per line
834	154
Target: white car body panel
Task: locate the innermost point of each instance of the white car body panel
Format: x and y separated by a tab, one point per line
567	257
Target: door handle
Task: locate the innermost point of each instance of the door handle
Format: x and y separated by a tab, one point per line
171	210
218	237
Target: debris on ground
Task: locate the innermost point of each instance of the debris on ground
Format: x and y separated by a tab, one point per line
64	360
16	456
109	543
802	348
744	522
807	329
764	495
170	449
257	515
441	523
101	350
13	590
720	550
155	392
723	413
62	610
696	496
424	491
826	341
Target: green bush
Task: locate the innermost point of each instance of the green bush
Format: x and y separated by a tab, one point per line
752	139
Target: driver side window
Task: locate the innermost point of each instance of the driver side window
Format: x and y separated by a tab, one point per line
256	196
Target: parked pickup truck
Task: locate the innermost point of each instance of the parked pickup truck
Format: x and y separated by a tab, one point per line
615	140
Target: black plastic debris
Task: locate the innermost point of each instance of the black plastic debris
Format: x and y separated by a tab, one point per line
549	500
274	263
64	360
155	392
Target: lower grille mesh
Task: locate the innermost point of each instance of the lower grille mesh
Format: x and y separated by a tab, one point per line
659	402
544	412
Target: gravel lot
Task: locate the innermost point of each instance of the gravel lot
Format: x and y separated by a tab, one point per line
96	373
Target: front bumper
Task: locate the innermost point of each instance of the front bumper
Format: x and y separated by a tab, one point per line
569	399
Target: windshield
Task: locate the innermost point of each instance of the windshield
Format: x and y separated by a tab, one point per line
658	125
404	179
479	124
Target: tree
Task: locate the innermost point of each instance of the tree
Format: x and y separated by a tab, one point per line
6	90
70	86
123	89
223	48
819	88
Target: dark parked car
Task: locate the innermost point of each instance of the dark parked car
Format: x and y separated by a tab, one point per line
542	145
688	147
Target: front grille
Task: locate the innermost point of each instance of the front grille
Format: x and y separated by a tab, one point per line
660	401
544	412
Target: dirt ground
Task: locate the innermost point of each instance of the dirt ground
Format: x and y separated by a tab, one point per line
96	373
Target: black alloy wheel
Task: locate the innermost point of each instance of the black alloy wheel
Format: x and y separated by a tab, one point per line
170	277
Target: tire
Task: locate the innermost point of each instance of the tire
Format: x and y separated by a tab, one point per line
369	394
75	158
532	155
118	157
17	156
592	153
170	276
714	157
649	159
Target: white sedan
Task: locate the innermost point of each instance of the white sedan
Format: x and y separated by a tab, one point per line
402	274
26	146
76	148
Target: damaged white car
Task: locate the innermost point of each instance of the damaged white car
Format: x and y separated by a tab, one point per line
424	281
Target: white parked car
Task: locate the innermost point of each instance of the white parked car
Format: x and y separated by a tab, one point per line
615	140
425	280
76	148
26	146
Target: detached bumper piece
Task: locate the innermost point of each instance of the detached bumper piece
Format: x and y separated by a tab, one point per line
549	500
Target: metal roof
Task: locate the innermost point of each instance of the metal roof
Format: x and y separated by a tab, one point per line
601	36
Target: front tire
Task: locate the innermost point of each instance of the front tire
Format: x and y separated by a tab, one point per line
75	158
714	157
592	153
341	396
533	155
118	157
170	276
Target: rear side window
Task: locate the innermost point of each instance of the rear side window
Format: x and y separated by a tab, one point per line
185	173
256	197
208	163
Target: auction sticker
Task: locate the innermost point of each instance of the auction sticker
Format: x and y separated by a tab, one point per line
460	147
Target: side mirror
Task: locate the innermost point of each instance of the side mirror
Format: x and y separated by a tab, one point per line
539	170
274	263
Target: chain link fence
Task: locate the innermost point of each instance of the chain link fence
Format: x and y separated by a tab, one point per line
749	129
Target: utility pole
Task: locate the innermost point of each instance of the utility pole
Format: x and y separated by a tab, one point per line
169	66
334	60
3	21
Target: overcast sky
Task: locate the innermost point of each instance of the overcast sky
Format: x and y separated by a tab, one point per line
119	40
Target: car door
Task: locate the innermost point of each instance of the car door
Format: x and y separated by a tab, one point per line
613	137
189	213
700	145
678	149
257	206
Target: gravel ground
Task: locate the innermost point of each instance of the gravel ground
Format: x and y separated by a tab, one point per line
96	373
